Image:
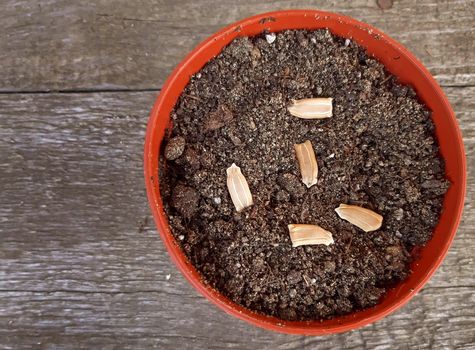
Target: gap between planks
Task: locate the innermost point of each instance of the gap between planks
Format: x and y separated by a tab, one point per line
76	91
155	89
77	291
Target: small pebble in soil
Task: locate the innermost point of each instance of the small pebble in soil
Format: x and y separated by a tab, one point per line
398	214
218	118
270	37
185	200
175	148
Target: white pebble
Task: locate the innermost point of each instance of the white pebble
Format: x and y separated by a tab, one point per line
331	155
181	237
313	280
198	75
217	200
270	38
313	40
347	42
168	277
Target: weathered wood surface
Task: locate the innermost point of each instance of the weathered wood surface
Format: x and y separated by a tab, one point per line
122	44
82	265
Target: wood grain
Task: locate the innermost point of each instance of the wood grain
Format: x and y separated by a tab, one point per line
93	45
83	267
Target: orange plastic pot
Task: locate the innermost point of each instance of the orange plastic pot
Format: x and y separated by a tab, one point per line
400	62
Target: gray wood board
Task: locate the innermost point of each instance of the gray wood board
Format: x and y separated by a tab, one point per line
94	45
82	265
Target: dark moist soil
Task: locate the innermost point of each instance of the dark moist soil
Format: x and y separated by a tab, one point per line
378	150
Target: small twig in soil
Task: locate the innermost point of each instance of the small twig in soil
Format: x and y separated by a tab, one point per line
348	246
355	201
193	97
385	80
305	209
305	278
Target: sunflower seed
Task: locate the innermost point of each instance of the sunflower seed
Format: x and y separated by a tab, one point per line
312	108
308	163
365	219
238	188
301	234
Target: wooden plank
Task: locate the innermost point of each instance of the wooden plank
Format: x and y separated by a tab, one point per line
145	320
71	45
82	266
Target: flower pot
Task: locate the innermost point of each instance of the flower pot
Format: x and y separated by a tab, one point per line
401	63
